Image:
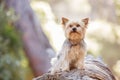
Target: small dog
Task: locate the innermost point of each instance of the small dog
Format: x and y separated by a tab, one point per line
74	48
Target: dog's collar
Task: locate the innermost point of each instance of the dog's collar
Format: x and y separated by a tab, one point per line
74	44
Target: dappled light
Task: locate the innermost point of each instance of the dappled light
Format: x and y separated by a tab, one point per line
102	38
18	60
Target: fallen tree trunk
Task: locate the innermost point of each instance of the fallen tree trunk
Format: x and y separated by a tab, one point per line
95	69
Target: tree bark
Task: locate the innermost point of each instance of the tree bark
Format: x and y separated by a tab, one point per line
36	44
95	69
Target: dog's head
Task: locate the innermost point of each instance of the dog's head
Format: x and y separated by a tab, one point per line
75	30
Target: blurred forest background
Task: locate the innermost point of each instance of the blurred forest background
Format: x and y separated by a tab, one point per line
31	33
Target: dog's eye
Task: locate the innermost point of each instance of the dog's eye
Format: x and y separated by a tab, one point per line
78	25
70	25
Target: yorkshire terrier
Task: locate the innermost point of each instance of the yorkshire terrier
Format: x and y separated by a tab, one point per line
74	50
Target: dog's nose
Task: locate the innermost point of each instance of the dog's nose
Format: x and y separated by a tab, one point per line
74	29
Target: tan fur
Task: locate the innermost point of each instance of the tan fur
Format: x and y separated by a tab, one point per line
74	48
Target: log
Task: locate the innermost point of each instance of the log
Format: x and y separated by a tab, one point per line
95	69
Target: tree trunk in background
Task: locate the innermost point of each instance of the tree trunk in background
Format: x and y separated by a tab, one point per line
35	42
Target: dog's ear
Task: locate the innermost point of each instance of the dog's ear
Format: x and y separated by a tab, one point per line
64	20
85	20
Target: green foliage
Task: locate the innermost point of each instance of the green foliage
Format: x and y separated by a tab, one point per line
11	53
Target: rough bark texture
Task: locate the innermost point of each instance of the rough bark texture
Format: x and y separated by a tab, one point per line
95	69
35	42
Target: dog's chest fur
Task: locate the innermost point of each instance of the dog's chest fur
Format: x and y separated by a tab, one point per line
73	51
